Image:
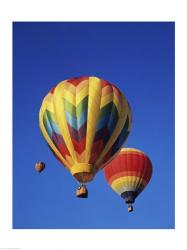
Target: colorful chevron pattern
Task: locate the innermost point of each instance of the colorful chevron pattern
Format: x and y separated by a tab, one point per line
85	121
129	172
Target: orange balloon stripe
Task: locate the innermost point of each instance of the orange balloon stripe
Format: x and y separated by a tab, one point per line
127	173
106	90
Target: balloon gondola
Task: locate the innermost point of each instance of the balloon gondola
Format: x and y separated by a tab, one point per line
82	191
85	121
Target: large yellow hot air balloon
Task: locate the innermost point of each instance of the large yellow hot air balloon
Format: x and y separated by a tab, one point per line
85	121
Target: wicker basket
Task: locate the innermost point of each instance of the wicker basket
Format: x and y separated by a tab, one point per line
82	192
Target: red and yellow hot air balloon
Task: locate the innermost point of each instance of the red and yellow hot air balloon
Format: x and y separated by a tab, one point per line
85	121
128	174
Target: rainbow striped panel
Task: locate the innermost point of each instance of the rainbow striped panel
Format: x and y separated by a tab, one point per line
85	120
130	170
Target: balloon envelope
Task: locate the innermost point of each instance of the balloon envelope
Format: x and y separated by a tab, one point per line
39	166
129	173
85	121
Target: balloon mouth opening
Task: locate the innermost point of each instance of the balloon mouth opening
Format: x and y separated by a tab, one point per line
129	196
83	177
83	172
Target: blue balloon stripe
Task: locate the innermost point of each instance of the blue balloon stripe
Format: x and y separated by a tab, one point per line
102	122
50	124
113	119
76	123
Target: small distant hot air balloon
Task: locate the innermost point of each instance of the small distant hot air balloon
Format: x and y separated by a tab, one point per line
85	120
128	174
39	166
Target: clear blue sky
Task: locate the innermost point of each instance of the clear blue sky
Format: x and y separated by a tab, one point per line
139	59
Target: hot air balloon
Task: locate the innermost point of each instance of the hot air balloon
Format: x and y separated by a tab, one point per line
39	166
128	174
85	120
